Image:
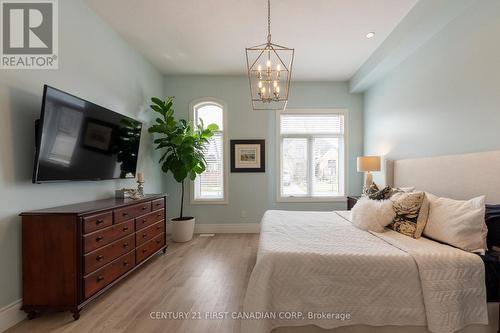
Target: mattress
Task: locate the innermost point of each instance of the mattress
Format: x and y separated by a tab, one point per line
316	268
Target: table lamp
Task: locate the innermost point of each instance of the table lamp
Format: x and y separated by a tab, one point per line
368	164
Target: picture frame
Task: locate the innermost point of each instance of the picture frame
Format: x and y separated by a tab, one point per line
248	155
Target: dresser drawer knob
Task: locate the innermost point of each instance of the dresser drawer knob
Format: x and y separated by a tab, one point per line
125	245
100	278
125	228
158	241
99	238
125	214
144	221
99	222
158	215
144	235
125	263
100	257
144	250
144	207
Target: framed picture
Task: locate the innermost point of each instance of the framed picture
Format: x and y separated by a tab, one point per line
248	156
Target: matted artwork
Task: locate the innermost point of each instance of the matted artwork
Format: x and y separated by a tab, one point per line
248	156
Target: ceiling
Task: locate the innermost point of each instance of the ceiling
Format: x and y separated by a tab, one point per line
208	37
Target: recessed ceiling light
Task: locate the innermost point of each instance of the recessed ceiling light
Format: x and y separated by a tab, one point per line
371	34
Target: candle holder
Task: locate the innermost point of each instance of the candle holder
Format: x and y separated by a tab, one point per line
140	187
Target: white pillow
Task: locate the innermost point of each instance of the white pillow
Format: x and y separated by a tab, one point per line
372	215
457	223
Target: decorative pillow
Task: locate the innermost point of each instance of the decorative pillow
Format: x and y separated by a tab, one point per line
372	189
458	223
381	194
400	190
388	192
411	213
372	215
492	219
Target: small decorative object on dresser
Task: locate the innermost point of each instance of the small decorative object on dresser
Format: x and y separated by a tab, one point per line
72	254
368	164
248	156
351	201
140	183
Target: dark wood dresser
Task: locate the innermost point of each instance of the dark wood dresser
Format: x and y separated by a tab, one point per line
72	254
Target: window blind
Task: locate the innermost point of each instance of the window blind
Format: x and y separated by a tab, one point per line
210	184
312	124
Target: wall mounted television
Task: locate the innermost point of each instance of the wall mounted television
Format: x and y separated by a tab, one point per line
79	140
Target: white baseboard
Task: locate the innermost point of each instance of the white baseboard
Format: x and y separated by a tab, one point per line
11	315
223	228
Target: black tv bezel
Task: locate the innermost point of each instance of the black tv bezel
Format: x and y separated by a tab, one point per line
39	133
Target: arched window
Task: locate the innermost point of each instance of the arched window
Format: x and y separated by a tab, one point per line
210	187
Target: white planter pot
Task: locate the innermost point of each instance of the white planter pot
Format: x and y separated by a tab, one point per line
182	231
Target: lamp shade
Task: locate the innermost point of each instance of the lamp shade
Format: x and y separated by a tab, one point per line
368	163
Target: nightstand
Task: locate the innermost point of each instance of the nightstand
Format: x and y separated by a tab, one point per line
351	201
492	272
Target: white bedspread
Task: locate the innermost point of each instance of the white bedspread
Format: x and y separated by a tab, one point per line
316	264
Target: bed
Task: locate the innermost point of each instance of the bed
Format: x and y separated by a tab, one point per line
316	272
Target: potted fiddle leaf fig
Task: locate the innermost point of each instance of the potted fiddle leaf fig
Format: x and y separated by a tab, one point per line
182	144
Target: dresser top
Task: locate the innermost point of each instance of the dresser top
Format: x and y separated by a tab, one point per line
90	207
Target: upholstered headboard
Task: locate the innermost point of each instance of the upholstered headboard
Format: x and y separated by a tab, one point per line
454	176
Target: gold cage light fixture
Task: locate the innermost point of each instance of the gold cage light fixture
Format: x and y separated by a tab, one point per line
269	72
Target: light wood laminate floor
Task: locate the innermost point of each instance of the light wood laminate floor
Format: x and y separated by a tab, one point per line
204	275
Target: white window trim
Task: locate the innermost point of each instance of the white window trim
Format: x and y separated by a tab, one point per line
339	198
222	104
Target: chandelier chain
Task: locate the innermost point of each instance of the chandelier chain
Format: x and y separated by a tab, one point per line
268	18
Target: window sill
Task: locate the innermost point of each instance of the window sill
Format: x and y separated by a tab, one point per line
312	199
209	202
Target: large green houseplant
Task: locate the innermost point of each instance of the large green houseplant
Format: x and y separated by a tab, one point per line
182	144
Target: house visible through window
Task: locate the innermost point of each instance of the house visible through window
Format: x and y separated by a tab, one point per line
312	154
210	186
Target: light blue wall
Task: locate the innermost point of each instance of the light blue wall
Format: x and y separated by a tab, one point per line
256	192
444	98
96	64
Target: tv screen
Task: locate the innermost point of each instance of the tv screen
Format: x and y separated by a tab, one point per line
79	140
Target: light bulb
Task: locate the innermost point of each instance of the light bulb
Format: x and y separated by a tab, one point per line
278	89
269	63
263	90
260	84
278	67
259	68
275	84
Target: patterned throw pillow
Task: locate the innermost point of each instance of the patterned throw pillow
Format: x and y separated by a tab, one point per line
412	210
371	190
383	194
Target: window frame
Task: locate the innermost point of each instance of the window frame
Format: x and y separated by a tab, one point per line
192	117
279	146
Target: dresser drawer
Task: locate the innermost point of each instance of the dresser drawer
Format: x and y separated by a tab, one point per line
96	222
103	237
149	219
158	203
147	249
149	233
104	255
101	278
132	211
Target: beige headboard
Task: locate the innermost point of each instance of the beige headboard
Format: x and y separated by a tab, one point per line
454	176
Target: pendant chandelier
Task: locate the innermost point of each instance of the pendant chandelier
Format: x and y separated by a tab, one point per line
269	72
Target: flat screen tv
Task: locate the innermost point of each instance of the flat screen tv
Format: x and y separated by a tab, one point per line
79	140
